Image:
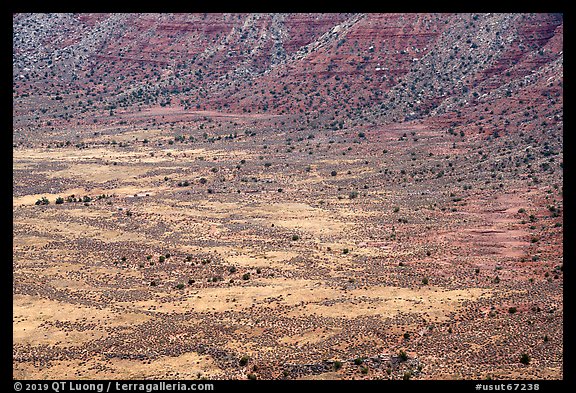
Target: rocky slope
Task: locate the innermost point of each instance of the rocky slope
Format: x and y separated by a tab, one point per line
324	68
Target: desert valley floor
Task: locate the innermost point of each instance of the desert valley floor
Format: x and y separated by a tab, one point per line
284	255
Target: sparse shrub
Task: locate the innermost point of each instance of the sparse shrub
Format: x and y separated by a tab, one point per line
525	359
337	365
42	201
403	356
406	336
353	194
407	375
333	173
202	180
295	237
244	360
512	310
59	200
364	369
232	269
425	281
180	286
358	361
246	276
345	251
252	376
161	258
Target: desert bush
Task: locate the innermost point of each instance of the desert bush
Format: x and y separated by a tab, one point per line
42	201
525	359
403	356
244	360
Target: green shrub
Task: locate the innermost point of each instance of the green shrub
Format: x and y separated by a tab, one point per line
42	201
244	360
525	359
403	355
